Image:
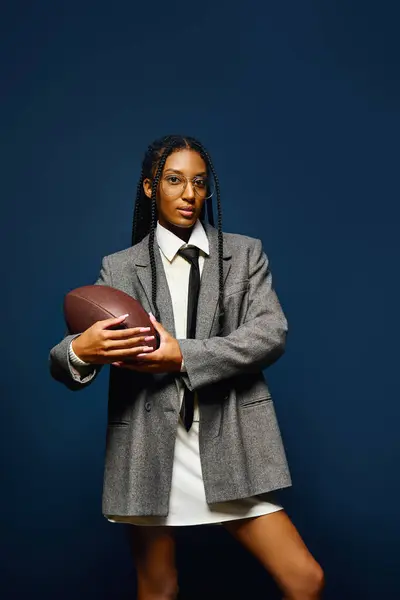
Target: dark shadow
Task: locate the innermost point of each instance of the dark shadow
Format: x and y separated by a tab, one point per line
213	565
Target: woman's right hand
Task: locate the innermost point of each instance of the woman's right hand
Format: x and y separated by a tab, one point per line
101	345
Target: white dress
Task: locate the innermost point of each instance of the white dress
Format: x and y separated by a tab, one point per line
187	503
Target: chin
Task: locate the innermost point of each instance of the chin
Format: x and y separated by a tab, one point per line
184	223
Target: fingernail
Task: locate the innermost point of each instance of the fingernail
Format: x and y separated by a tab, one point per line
124	316
148	338
151	314
145	329
148	348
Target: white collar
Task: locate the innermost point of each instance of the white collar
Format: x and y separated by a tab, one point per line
170	244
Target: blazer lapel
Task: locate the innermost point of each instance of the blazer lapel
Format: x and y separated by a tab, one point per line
143	271
209	288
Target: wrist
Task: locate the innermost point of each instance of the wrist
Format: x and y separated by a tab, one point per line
178	358
77	353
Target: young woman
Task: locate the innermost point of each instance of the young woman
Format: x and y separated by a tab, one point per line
192	435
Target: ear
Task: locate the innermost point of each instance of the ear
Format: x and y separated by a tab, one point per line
147	187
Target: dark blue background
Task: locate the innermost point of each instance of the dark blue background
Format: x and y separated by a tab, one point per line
298	103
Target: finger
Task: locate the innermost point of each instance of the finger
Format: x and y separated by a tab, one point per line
122	365
157	326
146	358
113	321
121	334
128	343
134	352
128	352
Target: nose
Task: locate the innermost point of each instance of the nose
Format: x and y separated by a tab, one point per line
188	194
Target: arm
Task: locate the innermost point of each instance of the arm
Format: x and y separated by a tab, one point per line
63	368
255	345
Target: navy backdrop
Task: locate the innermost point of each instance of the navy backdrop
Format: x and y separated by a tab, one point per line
298	103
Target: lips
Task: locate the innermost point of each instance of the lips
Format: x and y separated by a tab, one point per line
186	211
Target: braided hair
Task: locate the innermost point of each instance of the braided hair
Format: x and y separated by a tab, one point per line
145	213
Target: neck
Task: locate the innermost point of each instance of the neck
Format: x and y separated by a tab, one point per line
183	233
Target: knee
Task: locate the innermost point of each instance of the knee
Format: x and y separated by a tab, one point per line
316	580
313	581
308	584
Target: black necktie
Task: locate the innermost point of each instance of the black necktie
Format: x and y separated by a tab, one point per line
191	254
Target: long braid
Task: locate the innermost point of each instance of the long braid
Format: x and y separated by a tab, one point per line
137	214
210	213
208	161
154	188
153	260
145	212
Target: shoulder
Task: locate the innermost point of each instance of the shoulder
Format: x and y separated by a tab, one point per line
120	255
118	260
237	239
127	255
245	250
242	246
233	241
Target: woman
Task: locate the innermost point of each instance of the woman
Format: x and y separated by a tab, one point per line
192	436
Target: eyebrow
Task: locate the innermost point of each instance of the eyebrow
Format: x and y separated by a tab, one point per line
180	172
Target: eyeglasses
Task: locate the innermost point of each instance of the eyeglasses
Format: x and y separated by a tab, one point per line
174	184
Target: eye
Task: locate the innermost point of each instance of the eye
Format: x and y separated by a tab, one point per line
200	182
173	179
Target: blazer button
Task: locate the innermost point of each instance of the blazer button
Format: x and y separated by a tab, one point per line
148	406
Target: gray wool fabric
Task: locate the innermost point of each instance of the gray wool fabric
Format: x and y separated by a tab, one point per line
241	449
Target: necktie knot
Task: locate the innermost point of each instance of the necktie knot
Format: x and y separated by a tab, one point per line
191	254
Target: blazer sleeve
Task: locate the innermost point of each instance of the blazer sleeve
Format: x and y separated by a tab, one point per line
255	345
60	365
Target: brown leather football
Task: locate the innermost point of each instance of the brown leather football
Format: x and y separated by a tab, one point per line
86	305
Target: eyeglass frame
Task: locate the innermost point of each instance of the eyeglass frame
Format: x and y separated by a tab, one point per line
206	197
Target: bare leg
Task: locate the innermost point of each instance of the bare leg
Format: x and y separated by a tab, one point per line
153	551
276	543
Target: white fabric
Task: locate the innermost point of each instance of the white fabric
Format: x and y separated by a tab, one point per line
177	271
188	504
75	360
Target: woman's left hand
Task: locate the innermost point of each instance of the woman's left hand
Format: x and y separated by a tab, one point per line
166	359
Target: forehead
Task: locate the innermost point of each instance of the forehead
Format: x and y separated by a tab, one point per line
186	161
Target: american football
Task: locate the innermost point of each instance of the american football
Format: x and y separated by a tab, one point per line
86	305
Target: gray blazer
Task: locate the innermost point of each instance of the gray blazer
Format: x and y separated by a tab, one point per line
240	443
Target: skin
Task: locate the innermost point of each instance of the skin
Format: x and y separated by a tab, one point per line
98	344
190	164
272	539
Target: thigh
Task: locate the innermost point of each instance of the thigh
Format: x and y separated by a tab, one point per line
153	552
276	543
